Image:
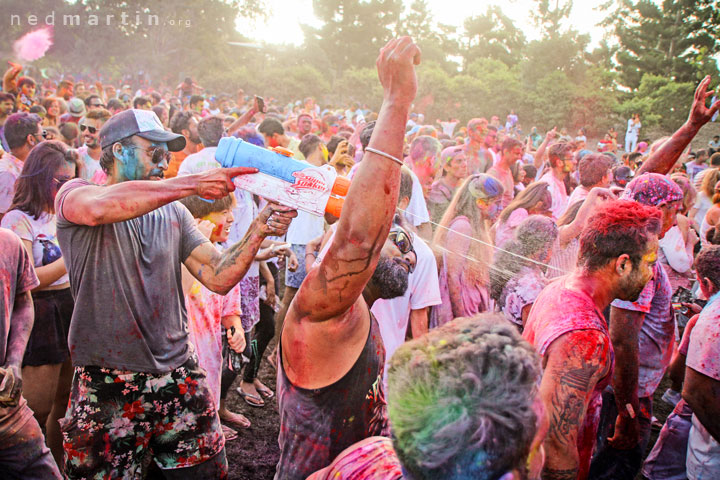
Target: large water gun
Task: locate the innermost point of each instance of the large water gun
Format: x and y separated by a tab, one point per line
283	179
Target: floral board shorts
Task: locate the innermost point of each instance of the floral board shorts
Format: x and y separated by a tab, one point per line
118	422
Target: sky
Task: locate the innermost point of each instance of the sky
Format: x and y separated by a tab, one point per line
285	17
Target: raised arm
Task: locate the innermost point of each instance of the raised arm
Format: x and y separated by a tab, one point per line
576	362
369	206
95	205
540	152
245	118
664	158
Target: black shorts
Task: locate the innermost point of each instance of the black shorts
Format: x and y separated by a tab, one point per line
48	340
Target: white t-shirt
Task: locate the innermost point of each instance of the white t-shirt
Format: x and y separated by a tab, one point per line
703	453
42	234
558	193
91	165
305	228
417	211
580	193
201	161
423	291
10	168
703	204
448	128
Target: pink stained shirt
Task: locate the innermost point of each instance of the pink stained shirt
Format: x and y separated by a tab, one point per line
205	310
559	310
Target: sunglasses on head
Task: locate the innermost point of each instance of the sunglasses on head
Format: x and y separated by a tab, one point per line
90	129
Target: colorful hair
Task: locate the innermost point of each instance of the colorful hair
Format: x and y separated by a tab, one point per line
653	189
460	400
618	227
464	203
533	239
424	146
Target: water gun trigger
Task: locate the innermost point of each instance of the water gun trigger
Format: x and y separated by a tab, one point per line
282	151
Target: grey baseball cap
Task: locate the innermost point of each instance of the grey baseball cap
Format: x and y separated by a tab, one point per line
143	123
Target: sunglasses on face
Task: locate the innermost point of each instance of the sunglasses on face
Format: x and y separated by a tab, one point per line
98	105
44	135
402	241
156	154
90	129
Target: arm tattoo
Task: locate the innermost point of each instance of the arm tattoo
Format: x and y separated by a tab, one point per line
573	384
227	259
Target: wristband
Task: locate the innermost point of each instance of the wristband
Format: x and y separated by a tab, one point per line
383	154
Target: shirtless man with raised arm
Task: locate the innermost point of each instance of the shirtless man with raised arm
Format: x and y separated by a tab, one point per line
330	387
137	388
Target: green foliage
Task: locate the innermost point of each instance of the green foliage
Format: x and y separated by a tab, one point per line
660	102
675	38
486	67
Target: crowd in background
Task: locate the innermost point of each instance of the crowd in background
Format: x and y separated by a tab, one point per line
595	253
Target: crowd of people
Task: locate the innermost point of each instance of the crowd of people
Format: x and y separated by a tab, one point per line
489	304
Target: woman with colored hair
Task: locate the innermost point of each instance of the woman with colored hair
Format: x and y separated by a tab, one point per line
462	239
518	273
454	171
47	371
534	200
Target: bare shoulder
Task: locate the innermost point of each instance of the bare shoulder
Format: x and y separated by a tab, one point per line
580	354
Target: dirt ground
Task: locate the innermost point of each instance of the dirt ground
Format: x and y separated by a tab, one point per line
254	454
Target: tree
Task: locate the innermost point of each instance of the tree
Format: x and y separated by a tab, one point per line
492	35
550	18
353	30
677	38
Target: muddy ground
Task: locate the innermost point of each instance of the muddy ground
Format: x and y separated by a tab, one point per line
254	454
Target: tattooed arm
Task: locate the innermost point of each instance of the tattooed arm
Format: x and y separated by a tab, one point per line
624	333
664	158
576	361
331	289
220	272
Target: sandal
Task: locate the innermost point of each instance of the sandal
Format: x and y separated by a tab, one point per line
250	399
265	392
229	433
239	420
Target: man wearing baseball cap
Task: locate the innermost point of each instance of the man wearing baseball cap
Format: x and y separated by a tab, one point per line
137	388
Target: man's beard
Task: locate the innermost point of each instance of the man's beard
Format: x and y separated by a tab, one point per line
632	289
391	278
195	138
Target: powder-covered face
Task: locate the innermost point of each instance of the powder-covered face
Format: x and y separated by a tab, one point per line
633	284
28	90
136	163
223	221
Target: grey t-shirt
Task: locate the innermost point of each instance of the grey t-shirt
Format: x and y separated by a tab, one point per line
126	279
